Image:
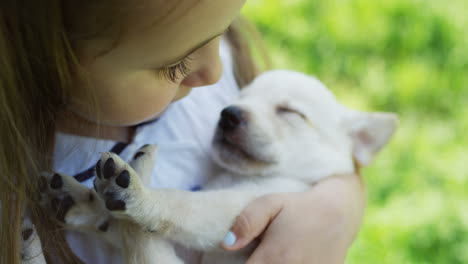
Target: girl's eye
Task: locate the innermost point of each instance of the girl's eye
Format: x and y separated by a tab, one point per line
282	109
177	71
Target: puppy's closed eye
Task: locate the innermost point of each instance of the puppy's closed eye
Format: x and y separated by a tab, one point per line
285	109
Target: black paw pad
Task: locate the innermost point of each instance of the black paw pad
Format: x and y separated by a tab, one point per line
110	195
115	205
98	169
26	234
56	182
123	180
61	207
91	197
104	226
138	154
109	168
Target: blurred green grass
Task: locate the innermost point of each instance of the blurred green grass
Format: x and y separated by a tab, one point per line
403	56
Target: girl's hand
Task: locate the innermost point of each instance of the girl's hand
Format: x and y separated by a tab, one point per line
317	226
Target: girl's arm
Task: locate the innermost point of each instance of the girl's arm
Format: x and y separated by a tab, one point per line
316	226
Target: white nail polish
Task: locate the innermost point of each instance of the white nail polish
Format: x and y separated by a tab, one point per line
230	239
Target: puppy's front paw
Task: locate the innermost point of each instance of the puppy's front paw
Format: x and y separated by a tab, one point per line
31	249
72	203
118	185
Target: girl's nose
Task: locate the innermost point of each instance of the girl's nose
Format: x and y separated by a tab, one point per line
209	68
206	76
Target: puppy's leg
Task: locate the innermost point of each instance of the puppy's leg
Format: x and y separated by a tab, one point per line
31	248
77	207
118	184
144	247
143	162
72	203
199	220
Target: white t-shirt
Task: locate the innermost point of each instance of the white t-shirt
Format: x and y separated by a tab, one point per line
183	135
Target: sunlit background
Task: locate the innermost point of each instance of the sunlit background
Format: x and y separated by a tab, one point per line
403	56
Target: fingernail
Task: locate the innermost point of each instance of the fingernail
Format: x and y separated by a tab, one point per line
230	239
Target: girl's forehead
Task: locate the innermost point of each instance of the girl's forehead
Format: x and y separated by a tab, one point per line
159	13
158	16
160	30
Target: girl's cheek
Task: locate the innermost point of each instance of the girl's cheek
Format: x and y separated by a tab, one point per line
144	106
128	103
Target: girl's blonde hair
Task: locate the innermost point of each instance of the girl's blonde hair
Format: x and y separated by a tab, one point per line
38	67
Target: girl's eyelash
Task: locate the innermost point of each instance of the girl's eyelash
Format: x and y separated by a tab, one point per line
176	71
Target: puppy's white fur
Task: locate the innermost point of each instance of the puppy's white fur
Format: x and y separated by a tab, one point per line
31	248
294	133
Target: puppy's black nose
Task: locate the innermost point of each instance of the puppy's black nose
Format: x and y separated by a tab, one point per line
231	118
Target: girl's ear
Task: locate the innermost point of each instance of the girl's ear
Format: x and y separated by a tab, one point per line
369	132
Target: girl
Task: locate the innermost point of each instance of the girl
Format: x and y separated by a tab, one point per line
79	77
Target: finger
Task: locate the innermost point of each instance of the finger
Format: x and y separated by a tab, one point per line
252	221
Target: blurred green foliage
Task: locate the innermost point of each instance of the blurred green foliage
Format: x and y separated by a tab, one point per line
404	56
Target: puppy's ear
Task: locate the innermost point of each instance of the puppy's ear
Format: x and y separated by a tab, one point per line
369	132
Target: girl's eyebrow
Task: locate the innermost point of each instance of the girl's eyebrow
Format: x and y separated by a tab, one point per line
190	51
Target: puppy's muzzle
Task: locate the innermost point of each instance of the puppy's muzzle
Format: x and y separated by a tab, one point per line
232	118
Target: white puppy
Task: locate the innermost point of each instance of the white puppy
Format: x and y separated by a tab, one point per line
286	132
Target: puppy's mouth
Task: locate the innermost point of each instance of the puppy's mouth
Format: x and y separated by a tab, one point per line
237	149
233	147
